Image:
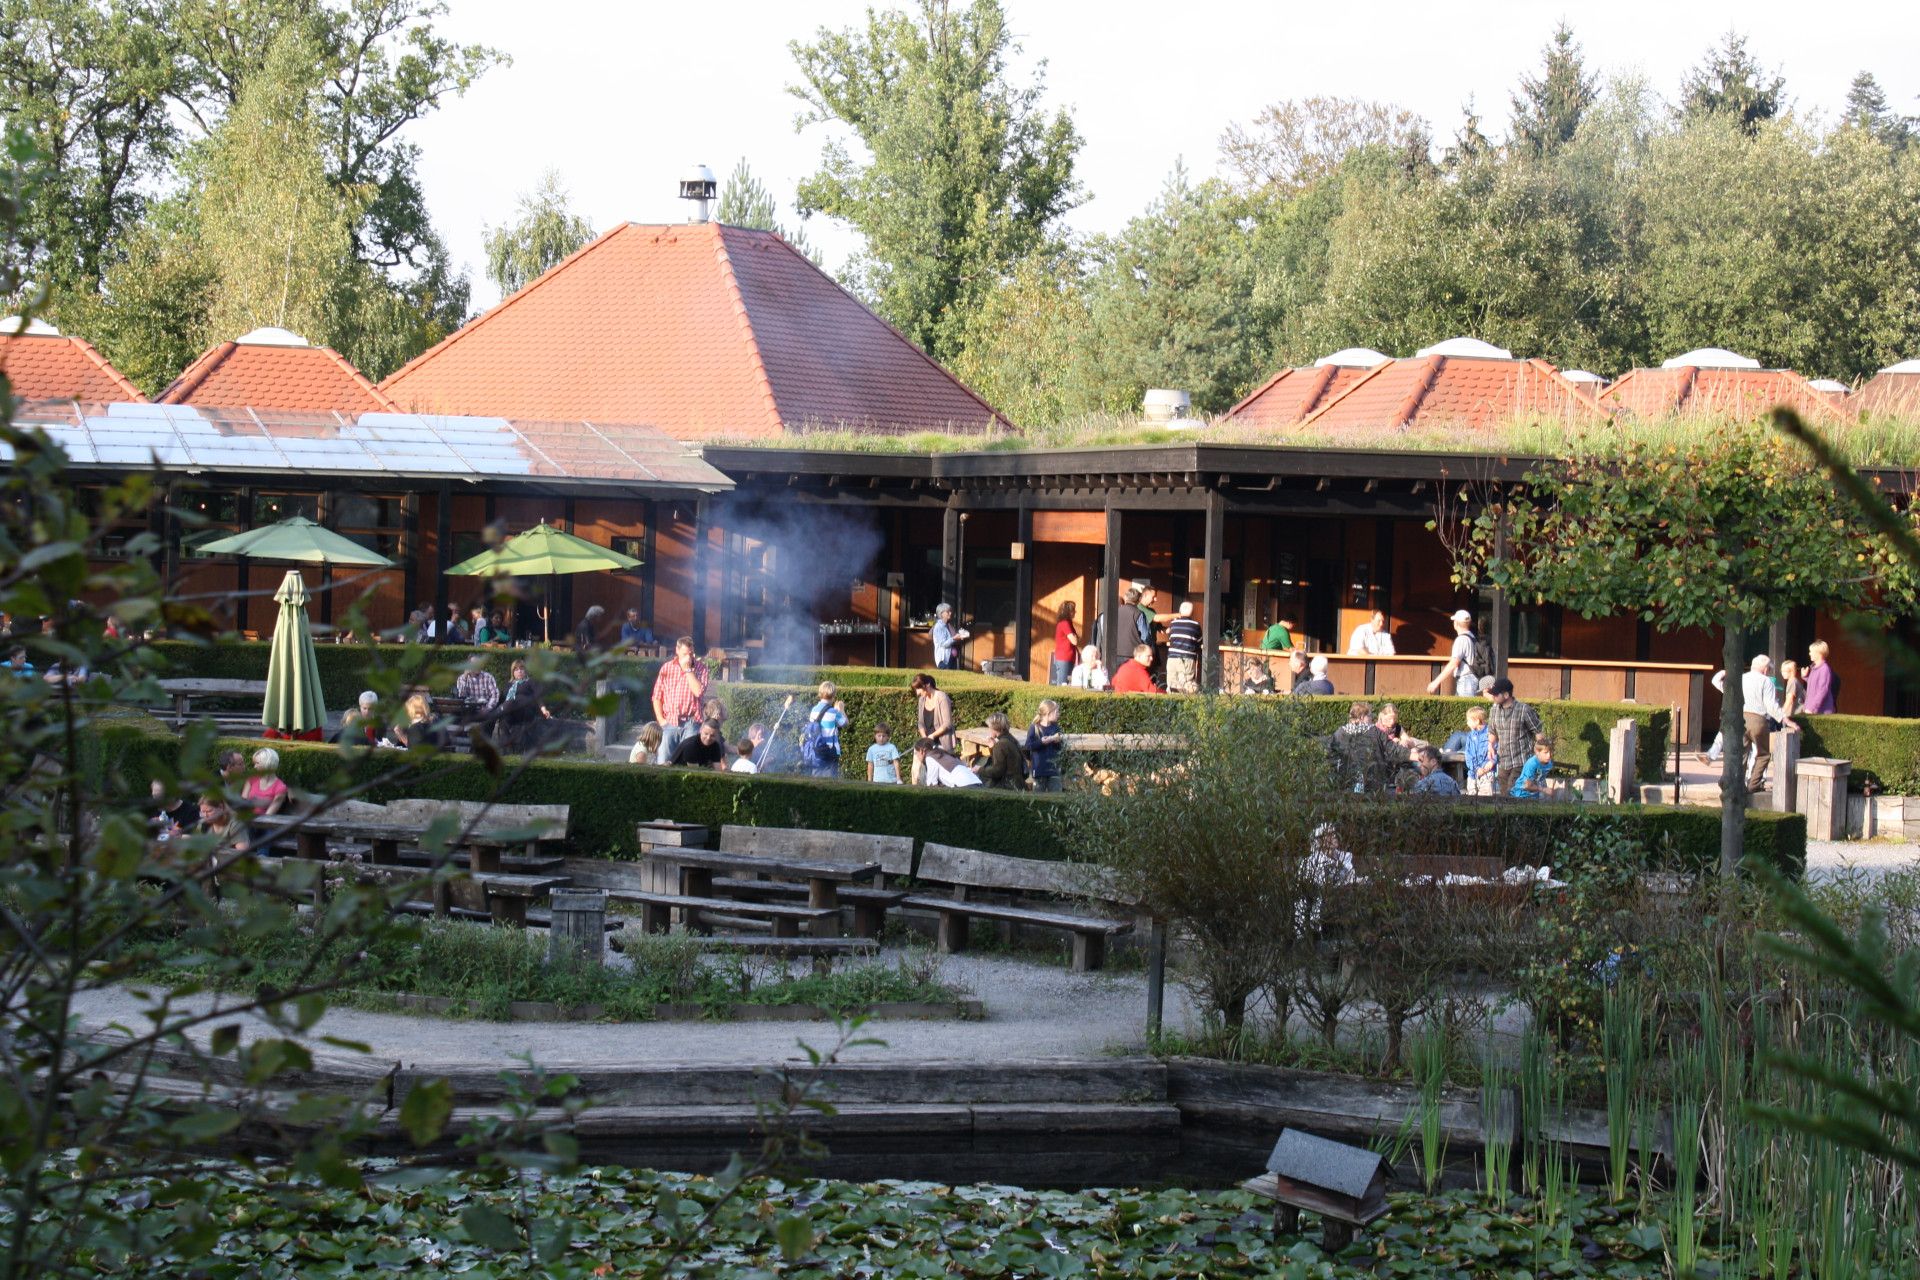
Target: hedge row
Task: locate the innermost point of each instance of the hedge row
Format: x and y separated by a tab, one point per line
1580	729
607	801
1884	751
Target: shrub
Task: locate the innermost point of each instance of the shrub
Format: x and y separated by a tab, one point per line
1883	750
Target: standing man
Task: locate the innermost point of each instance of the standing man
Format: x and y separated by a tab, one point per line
1371	638
677	693
946	639
1184	643
1125	631
1760	710
1515	725
1823	688
1465	661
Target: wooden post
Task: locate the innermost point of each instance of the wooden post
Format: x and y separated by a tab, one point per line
1110	594
1786	763
1823	791
950	555
1623	772
700	576
442	550
409	553
1502	622
1212	633
1023	595
243	565
1156	975
579	927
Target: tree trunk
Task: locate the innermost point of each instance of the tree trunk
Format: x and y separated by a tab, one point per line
1733	758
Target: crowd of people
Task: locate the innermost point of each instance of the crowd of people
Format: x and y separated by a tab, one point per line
1770	701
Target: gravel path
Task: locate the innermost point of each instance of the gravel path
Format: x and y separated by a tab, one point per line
1829	858
1035	1010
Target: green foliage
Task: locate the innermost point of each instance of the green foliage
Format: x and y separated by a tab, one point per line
1884	751
1294	145
746	202
1729	82
1549	107
546	231
960	173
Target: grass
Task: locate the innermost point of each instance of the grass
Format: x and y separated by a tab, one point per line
485	969
1870	442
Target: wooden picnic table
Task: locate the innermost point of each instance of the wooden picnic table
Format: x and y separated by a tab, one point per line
697	867
311	833
186	688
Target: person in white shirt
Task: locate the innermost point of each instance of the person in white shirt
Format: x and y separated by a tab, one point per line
1371	638
938	767
743	761
1460	659
1760	709
1091	673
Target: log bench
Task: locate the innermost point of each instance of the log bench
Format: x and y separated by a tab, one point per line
656	911
969	870
820	950
894	854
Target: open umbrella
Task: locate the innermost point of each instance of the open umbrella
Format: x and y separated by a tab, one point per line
295	538
294	707
542	551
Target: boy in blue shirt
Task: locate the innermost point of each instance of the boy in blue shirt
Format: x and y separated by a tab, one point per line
1476	743
883	758
1533	782
822	737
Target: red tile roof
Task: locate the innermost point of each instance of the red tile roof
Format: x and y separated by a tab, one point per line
1291	394
1892	393
1689	390
1445	392
700	330
55	367
282	377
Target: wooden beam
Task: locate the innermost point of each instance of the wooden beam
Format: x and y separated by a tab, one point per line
1213	546
1023	593
1110	593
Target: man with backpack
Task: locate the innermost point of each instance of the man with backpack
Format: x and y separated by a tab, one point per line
1469	662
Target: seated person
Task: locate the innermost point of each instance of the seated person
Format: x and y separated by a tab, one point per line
1091	671
939	767
1005	767
743	759
1364	759
1388	723
1316	682
1433	780
634	633
1258	680
646	744
1135	674
703	750
1536	775
1476	743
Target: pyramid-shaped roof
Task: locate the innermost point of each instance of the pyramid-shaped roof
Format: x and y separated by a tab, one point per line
1713	388
701	330
276	368
1894	392
44	364
1440	390
1291	394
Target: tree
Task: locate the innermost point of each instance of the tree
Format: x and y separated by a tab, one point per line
746	202
545	232
1866	108
150	312
1028	347
1729	82
1298	142
1688	536
89	82
1549	107
964	174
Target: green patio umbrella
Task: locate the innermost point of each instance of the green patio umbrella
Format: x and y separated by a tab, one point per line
294	702
542	551
295	538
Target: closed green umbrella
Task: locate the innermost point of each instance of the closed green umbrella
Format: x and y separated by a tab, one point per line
295	538
540	552
294	699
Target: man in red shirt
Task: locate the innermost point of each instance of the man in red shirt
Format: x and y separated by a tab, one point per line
1134	674
677	694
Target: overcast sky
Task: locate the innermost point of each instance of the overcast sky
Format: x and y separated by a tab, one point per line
621	97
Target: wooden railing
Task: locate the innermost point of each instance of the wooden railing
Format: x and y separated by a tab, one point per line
1679	685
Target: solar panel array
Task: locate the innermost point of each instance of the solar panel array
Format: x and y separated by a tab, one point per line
396	444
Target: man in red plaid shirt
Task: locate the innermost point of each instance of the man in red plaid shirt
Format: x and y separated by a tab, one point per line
677	693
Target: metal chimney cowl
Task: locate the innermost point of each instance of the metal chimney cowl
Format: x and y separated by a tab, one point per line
699	187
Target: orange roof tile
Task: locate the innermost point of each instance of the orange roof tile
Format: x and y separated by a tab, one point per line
50	366
1291	394
1446	392
1688	390
282	377
700	330
1892	393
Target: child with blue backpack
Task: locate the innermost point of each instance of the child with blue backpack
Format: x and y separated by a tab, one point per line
1476	743
820	741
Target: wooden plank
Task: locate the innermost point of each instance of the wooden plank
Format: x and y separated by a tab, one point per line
893	853
1020	915
772	910
975	869
753	863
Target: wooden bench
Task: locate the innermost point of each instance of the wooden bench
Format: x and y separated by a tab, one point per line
870	905
968	870
656	911
820	950
187	689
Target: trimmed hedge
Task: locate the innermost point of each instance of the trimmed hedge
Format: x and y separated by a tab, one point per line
608	801
1580	729
1883	750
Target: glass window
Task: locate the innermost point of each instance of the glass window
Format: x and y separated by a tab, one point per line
362	511
271	508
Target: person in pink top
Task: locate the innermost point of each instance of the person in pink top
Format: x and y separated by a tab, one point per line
1822	688
265	794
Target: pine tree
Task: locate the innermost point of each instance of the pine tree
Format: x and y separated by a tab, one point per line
746	202
1730	82
1867	109
1549	107
1470	144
